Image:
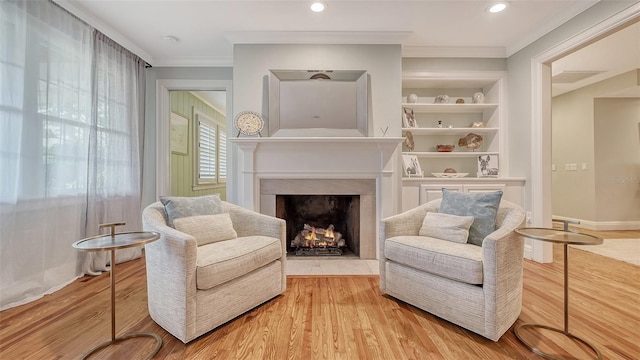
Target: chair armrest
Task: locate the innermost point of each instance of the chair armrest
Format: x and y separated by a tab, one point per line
407	223
502	256
170	260
250	223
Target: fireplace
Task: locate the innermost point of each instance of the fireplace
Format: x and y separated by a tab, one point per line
363	166
347	204
321	224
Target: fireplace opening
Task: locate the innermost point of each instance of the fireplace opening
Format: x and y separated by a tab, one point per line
321	224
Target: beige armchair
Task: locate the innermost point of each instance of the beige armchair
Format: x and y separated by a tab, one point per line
193	289
476	287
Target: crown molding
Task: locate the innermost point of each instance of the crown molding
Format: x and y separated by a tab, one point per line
196	61
454	51
318	37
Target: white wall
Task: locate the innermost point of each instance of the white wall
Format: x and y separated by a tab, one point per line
382	62
617	160
580	136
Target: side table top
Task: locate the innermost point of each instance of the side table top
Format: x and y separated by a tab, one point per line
559	236
117	241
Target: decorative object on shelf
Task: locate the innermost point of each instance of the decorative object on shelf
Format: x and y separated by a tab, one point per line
249	123
445	148
450	170
384	131
449	175
408	118
411	166
488	166
477	124
439	126
442	99
470	141
412	98
450	126
460	101
478	98
179	134
408	140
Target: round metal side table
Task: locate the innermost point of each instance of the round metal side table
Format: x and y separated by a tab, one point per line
112	242
565	238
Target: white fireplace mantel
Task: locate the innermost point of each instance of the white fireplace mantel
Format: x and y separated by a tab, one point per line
320	158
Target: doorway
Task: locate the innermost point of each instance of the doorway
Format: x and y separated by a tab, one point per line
541	119
163	127
198	136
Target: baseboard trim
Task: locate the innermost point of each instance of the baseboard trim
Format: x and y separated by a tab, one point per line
528	251
602	225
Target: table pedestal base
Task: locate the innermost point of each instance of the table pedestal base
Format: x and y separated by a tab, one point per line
127	337
565	333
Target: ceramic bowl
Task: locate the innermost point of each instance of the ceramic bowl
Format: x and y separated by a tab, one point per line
445	148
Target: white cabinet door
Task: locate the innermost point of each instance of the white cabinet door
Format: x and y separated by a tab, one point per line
434	191
476	188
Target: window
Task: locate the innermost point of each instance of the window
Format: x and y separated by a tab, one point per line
211	151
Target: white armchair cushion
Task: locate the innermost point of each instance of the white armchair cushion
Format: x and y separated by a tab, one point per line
223	261
446	227
460	262
207	228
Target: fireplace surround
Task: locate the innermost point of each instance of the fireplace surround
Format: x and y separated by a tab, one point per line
364	166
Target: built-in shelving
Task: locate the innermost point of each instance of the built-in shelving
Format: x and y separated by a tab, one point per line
446	123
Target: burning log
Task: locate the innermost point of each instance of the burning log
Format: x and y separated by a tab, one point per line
313	237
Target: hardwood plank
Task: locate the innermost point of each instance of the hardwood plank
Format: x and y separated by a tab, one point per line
338	317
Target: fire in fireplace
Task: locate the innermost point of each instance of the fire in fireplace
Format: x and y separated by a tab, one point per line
318	241
321	224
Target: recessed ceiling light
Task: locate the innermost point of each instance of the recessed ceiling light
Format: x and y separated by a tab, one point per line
318	6
497	7
171	38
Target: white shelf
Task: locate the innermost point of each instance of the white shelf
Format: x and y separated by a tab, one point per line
451	131
449	108
452	154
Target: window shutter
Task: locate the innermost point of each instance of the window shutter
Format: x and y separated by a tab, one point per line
222	156
207	152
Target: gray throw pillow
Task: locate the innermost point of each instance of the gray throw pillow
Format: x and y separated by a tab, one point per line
446	227
483	206
178	207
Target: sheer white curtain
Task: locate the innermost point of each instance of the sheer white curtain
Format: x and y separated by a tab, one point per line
115	155
69	146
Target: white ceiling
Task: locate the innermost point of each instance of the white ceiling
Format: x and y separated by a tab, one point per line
611	56
207	29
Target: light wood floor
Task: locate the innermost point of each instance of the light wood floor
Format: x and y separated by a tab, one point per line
337	317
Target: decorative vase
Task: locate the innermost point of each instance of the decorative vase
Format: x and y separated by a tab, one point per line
412	98
442	99
478	98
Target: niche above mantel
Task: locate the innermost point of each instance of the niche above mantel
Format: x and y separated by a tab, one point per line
318	103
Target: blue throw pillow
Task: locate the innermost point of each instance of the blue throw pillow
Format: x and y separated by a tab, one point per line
483	206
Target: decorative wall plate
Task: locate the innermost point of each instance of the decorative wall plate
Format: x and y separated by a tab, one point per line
249	123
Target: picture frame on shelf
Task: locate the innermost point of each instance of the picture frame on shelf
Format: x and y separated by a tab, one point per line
179	134
408	118
488	166
411	166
